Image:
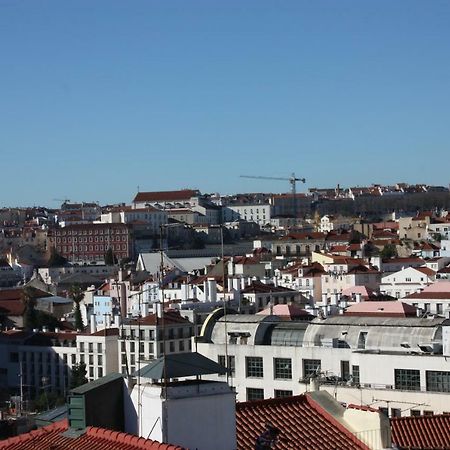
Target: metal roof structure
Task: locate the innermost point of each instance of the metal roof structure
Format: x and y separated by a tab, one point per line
180	365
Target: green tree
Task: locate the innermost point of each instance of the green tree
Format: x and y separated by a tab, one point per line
77	294
78	375
110	257
389	251
30	314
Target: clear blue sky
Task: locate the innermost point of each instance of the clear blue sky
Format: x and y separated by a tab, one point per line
98	97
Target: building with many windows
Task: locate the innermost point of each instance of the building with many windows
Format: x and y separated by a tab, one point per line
392	362
90	242
142	340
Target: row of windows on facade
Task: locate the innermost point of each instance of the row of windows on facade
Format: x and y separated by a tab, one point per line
90	347
81	240
90	248
147	348
404	379
94	231
149	334
297	250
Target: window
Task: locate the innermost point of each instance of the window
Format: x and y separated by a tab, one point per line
278	393
100	372
428	413
91	347
355	374
311	367
415	413
254	367
438	381
282	368
255	394
362	339
407	379
99	360
345	370
396	412
99	347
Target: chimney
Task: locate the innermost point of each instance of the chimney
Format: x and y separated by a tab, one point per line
93	326
184	291
212	288
334	299
358	297
313	384
324	298
159	309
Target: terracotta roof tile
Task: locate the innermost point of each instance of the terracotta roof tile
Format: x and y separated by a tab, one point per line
168	196
424	432
51	437
303	423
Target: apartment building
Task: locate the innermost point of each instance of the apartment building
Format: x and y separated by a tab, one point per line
90	242
147	338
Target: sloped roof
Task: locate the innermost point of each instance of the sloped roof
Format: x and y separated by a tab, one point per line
384	308
257	287
424	432
285	311
178	365
304	425
52	437
168	196
365	291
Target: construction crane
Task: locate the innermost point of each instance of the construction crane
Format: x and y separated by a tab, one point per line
292	181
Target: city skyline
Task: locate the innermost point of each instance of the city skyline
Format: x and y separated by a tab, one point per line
101	97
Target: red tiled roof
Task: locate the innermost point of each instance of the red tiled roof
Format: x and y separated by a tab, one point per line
168	196
257	287
424	432
51	437
426	271
304	425
170	318
12	307
430	295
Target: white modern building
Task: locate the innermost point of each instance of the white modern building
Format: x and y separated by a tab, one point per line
258	213
398	363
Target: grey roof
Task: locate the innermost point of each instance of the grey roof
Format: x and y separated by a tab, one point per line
96	383
380	321
55	299
289	334
51	416
245	318
152	262
382	333
180	365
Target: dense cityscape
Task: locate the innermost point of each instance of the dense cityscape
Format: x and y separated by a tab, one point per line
258	296
225	225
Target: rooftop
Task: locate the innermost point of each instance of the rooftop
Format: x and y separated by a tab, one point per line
52	437
304	425
424	432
